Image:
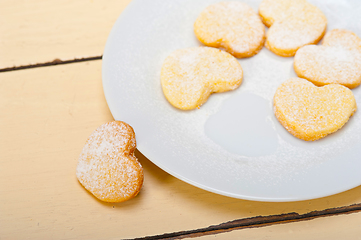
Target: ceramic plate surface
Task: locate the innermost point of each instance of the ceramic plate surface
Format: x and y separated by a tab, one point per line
233	145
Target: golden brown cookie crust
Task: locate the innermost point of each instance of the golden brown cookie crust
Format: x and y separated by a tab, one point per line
337	60
233	26
292	24
107	166
189	76
311	113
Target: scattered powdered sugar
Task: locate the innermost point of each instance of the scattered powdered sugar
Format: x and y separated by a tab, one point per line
107	166
272	10
294	24
232	25
342	38
176	141
287	35
310	112
190	75
338	60
329	64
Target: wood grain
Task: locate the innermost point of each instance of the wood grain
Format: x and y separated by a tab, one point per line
40	31
346	227
56	61
51	99
46	115
257	222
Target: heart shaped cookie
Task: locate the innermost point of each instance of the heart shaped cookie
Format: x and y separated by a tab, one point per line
234	26
292	24
337	60
107	166
189	76
309	112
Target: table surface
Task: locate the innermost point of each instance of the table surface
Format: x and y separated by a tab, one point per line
51	99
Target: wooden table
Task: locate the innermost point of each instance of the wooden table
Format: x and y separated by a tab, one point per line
51	99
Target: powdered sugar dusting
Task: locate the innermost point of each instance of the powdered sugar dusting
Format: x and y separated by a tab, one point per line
309	112
291	35
271	10
234	26
190	75
175	140
342	38
338	60
107	166
293	25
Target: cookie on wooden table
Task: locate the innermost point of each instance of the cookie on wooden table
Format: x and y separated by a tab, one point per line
107	166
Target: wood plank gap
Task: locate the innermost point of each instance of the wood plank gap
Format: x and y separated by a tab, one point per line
255	222
56	61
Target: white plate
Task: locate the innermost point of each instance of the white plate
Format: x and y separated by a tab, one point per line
233	145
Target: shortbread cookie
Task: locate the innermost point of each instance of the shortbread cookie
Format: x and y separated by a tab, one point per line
107	166
337	60
309	112
233	26
189	76
292	24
